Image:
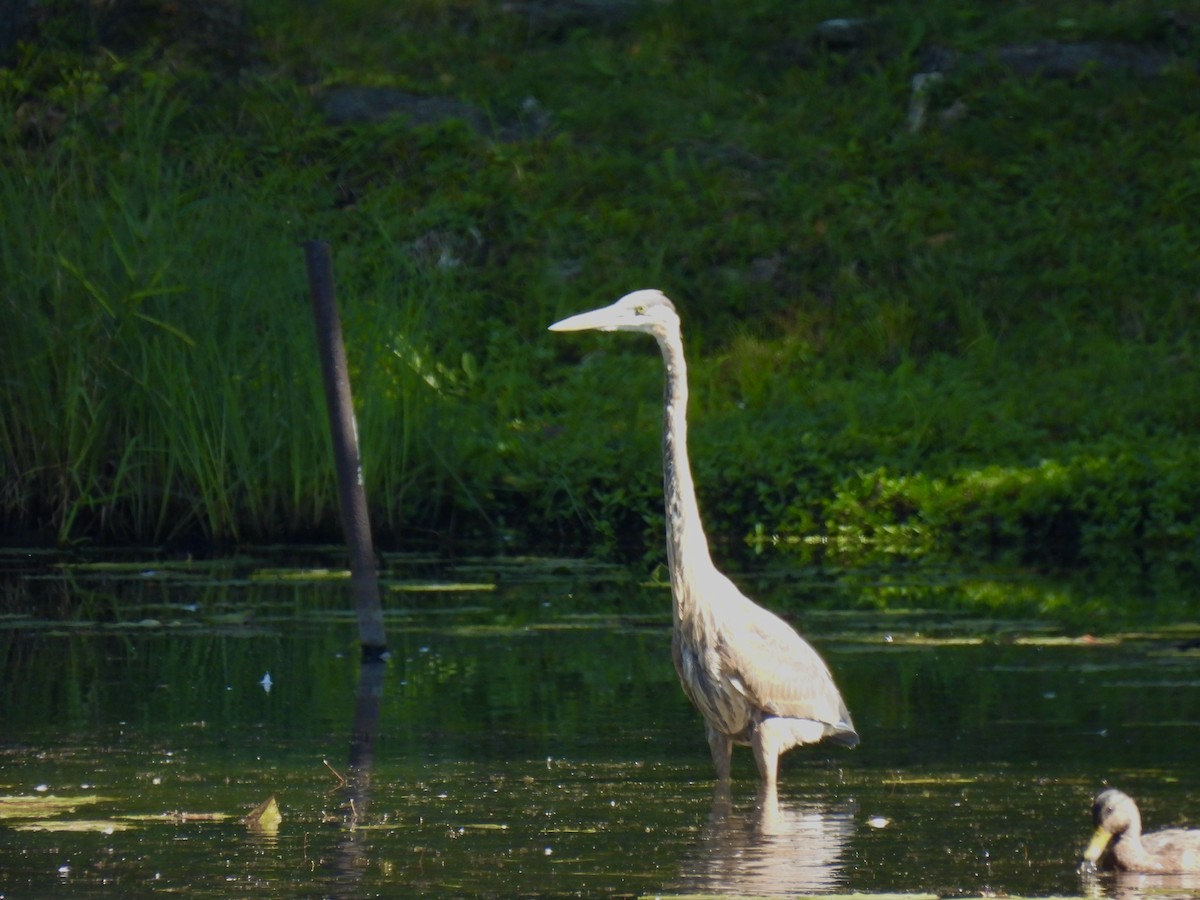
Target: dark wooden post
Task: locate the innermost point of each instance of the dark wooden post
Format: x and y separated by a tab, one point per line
355	521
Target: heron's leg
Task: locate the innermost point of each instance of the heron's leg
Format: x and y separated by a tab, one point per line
775	735
771	737
770	819
721	746
722	802
766	756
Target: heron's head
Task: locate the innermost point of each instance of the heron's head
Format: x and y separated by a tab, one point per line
647	311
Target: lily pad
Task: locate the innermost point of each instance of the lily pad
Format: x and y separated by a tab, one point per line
26	807
431	587
293	575
176	818
103	826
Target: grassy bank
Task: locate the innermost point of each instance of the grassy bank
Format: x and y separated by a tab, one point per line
974	338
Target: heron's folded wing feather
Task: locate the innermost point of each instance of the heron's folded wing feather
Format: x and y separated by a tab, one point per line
779	671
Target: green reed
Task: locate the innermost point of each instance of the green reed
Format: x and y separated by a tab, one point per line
160	378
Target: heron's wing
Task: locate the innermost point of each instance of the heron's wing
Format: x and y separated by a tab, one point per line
777	669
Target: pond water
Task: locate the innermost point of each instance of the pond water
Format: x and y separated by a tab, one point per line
518	742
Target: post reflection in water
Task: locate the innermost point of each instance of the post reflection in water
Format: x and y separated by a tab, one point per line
777	847
352	854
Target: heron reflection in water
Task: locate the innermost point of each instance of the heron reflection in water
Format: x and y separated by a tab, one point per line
777	848
755	681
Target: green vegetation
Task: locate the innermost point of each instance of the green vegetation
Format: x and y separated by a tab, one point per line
976	339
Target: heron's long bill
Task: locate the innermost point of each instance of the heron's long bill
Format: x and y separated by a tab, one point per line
597	320
1099	841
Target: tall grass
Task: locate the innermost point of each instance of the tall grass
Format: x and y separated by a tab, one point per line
159	377
1018	276
142	321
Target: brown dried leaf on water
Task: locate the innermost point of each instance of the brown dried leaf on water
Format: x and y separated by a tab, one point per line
264	817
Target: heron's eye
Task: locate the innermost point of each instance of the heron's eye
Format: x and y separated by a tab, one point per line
639	310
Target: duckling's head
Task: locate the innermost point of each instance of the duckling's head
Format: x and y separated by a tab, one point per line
1114	814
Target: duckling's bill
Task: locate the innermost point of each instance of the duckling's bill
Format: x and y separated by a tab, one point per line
1096	847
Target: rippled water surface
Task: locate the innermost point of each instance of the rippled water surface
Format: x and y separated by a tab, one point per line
528	737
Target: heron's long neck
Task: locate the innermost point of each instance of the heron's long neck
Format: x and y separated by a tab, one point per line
687	547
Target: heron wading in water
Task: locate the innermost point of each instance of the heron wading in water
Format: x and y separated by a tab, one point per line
755	681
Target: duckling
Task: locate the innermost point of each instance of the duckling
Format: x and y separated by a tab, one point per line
1118	842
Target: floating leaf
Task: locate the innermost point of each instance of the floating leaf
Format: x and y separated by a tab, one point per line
290	575
25	807
104	826
176	818
264	817
930	779
430	587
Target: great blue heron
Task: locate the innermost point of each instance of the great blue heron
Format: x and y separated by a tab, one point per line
755	681
1118	842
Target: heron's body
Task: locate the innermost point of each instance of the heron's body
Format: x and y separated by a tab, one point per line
753	678
1118	842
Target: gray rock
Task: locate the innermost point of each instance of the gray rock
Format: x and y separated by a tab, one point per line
350	105
1055	59
1070	60
918	103
344	105
555	17
842	34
